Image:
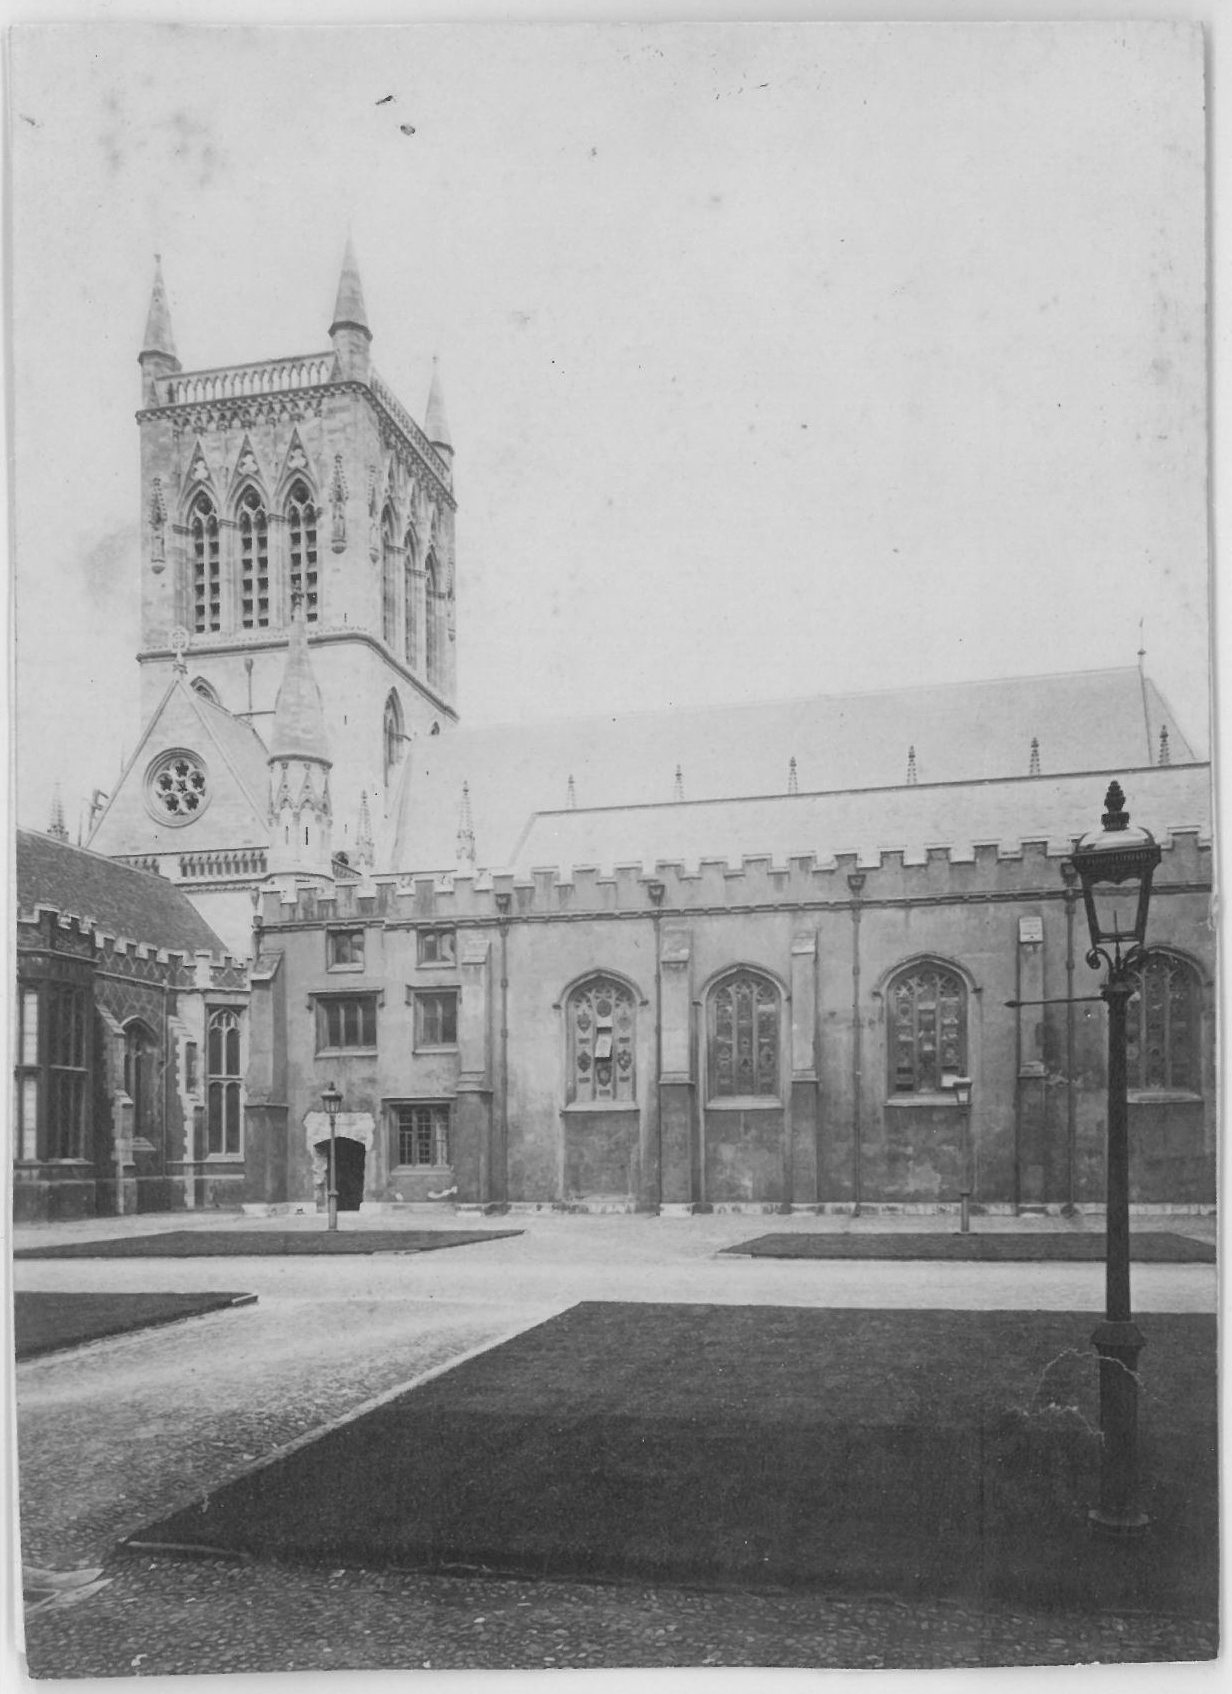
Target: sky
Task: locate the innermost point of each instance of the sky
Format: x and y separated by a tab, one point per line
778	360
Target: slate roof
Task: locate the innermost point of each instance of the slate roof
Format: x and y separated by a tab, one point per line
961	732
130	904
957	816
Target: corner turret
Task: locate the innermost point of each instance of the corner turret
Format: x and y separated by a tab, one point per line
436	424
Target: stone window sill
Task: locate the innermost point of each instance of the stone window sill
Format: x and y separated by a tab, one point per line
346	1052
1163	1097
745	1103
602	1106
945	1101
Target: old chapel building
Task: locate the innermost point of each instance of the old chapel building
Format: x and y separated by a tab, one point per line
665	962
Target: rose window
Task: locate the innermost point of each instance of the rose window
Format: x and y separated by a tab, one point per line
178	788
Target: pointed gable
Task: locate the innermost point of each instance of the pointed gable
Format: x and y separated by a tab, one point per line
197	780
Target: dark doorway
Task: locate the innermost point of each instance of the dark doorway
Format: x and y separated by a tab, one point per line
349	1167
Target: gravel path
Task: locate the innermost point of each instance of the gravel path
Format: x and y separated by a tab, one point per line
117	1434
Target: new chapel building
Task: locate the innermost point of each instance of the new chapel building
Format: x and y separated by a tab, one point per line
668	961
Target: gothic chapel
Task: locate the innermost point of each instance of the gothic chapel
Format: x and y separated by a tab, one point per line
669	962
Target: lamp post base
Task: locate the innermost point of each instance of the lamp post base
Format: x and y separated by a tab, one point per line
1118	1344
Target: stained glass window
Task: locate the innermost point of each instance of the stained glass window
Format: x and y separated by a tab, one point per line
928	1029
302	539
1163	1024
602	1025
207	577
254	562
744	1037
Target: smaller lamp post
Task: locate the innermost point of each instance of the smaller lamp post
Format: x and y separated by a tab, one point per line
331	1099
962	1097
1115	865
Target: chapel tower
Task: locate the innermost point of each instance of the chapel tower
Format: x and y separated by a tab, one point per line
301	479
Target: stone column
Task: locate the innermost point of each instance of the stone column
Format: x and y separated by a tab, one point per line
473	1124
677	1088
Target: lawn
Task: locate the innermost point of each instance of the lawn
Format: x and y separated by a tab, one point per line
1157	1248
47	1323
251	1244
942	1453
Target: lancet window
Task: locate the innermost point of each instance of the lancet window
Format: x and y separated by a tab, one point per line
207	572
1163	1018
253	528
744	1037
302	548
928	1028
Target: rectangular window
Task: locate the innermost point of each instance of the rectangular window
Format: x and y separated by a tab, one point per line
66	1038
436	1019
421	1134
344	949
437	947
346	1020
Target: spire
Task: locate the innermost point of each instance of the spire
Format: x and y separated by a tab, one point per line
349	309
1033	768
912	778
793	784
299	720
57	827
365	849
1165	752
570	796
349	331
466	830
678	785
436	424
158	336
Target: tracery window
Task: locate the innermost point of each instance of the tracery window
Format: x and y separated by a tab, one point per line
601	1020
207	574
177	788
302	548
391	733
1163	1022
223	1084
254	561
928	1028
432	657
744	1037
389	580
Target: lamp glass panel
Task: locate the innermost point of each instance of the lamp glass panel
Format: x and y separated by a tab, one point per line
1116	908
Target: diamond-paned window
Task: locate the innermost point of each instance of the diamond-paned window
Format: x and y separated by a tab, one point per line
207	574
178	788
254	562
302	548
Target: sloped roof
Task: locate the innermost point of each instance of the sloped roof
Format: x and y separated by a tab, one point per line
120	901
866	822
299	717
961	732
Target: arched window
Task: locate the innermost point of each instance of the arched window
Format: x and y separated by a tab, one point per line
389	580
301	518
744	1037
223	1084
140	1052
254	561
205	689
601	1025
207	577
1163	1019
927	1009
392	733
431	614
409	590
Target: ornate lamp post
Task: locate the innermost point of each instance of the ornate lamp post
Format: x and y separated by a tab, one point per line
1115	865
331	1099
962	1098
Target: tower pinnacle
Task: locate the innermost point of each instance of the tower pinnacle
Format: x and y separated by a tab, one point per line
157	356
436	424
349	330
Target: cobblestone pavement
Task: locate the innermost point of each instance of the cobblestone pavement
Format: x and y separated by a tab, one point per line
119	1433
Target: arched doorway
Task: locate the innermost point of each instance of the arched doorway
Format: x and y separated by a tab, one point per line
349	1161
